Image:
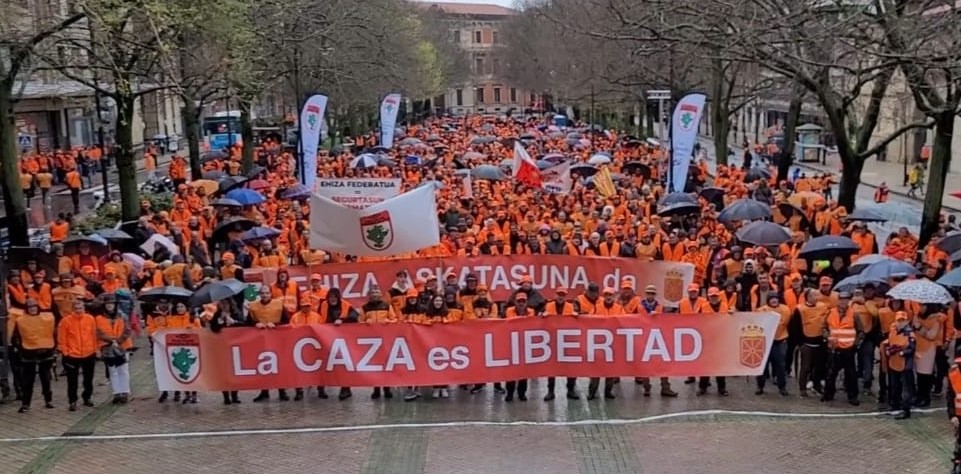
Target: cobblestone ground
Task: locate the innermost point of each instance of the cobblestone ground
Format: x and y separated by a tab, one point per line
478	433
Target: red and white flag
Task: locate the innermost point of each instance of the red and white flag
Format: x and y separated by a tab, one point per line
525	168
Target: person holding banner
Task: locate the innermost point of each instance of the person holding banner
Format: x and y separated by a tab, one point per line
268	313
561	306
520	309
378	311
227	315
777	359
608	307
334	310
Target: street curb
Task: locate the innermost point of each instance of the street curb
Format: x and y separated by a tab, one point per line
874	186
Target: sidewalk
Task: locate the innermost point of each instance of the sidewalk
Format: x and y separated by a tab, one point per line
874	173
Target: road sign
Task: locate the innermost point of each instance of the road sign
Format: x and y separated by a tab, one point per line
25	142
659	95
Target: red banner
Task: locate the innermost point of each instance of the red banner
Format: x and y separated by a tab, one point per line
500	274
470	352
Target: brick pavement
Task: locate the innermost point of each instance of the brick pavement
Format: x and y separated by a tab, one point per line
148	436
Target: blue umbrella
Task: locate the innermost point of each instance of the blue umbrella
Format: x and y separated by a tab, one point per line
676	198
885	269
298	191
744	210
553	157
952	278
412	160
860	264
853	282
246	197
260	233
225	203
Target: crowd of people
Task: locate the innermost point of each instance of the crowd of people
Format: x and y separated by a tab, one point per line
86	309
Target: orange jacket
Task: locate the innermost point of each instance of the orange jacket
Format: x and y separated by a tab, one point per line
77	336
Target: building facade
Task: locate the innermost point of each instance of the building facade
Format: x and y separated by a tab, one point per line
53	112
474	28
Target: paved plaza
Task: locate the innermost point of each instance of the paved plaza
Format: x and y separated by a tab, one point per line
468	433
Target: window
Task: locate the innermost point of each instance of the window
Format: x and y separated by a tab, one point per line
478	65
455	36
495	37
459	98
513	95
495	66
477	36
497	95
479	95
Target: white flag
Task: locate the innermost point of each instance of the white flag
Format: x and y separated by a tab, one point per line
388	119
406	223
684	124
557	179
311	123
468	183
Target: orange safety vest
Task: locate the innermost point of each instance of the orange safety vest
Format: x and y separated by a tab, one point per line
954	376
841	331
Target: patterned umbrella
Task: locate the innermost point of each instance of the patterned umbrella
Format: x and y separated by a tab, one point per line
920	291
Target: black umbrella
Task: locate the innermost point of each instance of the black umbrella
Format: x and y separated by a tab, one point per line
827	247
231	182
508	141
677	198
377	150
231	225
214	155
224	202
755	174
678	209
713	194
633	143
17	257
256	170
950	243
166	293
744	210
214	175
763	233
216	291
583	170
528	136
636	167
113	234
865	215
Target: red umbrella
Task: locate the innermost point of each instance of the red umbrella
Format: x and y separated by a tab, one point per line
258	184
956	194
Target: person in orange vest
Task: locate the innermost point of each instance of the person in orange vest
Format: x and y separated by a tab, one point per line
115	340
608	307
33	337
898	349
78	344
378	311
650	306
953	400
74	184
777	359
844	335
561	306
520	309
881	193
268	313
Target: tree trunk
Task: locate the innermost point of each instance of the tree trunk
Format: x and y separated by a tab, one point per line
192	130
126	166
247	134
14	202
850	180
652	117
721	127
786	155
938	168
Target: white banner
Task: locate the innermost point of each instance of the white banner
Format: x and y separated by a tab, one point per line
684	124
403	224
388	119
311	123
557	179
358	193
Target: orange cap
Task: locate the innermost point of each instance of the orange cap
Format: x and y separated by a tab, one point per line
608	291
315	276
627	284
411	293
713	291
693	287
825	280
